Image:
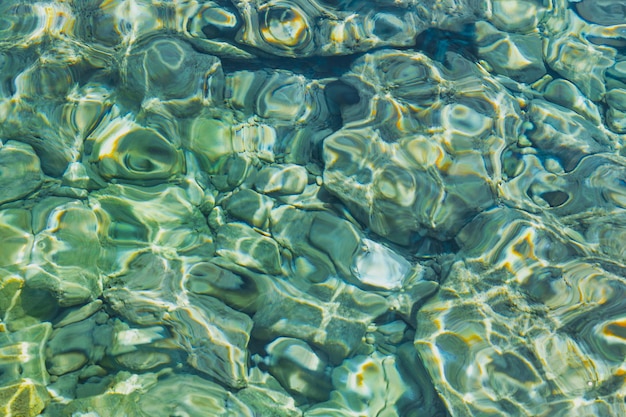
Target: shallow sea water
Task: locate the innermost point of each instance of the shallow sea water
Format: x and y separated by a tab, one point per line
410	208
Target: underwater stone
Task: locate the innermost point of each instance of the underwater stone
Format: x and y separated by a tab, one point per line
412	78
379	266
22	307
283	220
516	56
285	179
246	247
243	89
566	94
250	206
169	69
50	77
581	63
236	286
72	346
307	29
604	182
616	98
24	399
127	339
122	149
534	284
22	24
607	231
280	27
412	296
522	242
298	368
78	175
21	172
144	360
289	312
198	397
510	208
616	120
22	353
148	272
65	256
376	166
12	64
86	107
463	121
388	336
616	75
265	396
332	315
257	139
211	139
516	16
579	320
387	200
75	315
63	363
212	21
602	12
324	243
216	218
311	198
616	113
113	394
594	185
564	361
16	237
137	216
215	337
10	288
75	287
135	307
535	188
464	333
563	133
98	22
367	386
282	96
38	125
234	170
336	237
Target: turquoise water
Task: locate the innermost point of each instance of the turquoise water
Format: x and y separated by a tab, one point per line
312	208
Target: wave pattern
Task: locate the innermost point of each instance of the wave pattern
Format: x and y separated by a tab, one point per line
312	208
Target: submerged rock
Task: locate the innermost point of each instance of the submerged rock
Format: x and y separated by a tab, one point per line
333	317
21	171
298	368
65	255
378	266
262	208
513	55
23	399
505	310
405	180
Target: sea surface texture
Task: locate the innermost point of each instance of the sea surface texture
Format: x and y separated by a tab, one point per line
317	208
